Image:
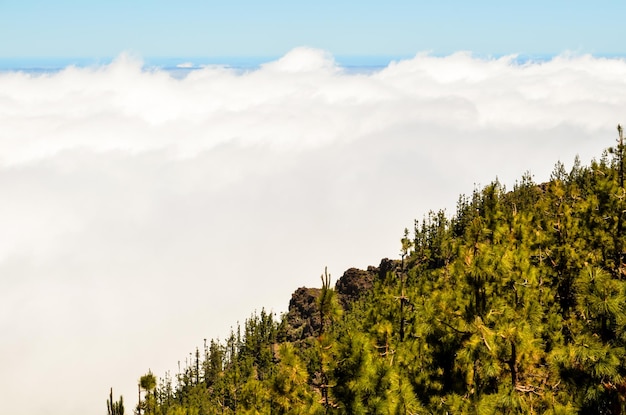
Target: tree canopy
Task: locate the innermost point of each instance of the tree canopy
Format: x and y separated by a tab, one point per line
515	304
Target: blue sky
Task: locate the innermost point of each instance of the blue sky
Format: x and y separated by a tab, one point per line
99	29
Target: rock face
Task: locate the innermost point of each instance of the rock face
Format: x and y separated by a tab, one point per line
353	284
387	265
303	319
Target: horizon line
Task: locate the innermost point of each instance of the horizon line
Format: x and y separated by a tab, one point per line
182	62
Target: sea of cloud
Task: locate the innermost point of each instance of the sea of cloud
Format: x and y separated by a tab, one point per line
143	212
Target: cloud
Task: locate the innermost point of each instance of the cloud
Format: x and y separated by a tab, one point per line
144	212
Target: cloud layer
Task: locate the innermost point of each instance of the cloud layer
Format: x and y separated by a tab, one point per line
143	212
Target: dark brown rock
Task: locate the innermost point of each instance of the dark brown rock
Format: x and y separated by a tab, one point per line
303	317
353	284
387	265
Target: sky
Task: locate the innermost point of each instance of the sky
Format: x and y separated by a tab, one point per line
144	211
73	28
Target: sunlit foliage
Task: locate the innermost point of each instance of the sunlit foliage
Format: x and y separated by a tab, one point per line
515	305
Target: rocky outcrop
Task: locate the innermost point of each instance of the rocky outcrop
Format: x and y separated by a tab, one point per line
387	265
303	320
353	284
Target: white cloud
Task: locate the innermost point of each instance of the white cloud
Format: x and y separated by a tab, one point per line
142	213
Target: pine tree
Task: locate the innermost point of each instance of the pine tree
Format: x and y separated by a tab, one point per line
289	388
329	311
147	382
115	407
516	305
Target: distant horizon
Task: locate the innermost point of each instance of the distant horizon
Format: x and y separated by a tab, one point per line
55	63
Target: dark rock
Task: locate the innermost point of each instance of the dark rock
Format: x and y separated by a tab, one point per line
303	318
353	284
387	265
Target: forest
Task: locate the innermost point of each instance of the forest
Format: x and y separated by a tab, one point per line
516	304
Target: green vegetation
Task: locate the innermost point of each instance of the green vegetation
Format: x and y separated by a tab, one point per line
113	407
516	304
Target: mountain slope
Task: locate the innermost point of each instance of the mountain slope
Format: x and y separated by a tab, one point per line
517	304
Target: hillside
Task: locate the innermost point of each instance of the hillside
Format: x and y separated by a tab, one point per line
516	304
